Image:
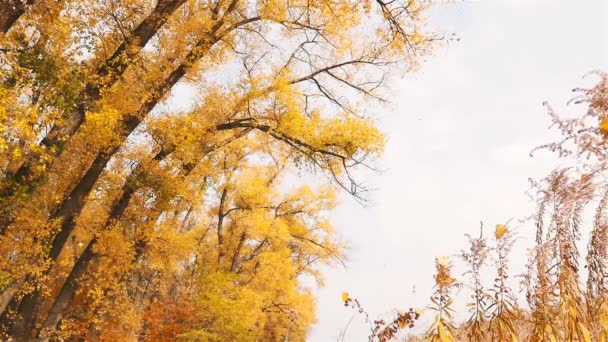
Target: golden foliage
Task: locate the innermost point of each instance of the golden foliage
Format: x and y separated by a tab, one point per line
125	215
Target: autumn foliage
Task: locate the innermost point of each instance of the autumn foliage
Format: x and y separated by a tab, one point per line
128	213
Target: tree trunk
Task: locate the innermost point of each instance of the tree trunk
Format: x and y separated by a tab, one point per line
115	66
109	72
72	206
67	291
10	11
87	256
9	292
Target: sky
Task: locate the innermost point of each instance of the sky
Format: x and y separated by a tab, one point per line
460	131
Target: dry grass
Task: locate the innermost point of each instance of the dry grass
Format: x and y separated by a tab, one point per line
561	306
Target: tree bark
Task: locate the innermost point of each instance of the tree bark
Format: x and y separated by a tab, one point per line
10	11
9	292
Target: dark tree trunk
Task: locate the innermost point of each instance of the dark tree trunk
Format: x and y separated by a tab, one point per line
10	11
81	266
72	206
109	72
115	66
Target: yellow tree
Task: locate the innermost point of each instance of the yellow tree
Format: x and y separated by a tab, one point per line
96	162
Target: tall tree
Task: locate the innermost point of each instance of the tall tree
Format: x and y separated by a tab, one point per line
102	170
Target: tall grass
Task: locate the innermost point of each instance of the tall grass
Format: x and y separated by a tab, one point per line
561	304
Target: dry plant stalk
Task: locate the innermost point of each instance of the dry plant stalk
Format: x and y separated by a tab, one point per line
443	328
475	259
381	330
560	305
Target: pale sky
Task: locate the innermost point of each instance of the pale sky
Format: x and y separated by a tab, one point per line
460	131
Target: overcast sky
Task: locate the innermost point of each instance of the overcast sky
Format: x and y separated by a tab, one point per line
460	131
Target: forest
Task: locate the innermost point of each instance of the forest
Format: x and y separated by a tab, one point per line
128	214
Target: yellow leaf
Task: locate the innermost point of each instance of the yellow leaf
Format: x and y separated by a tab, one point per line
604	321
344	296
573	311
586	334
550	333
604	125
501	230
442	335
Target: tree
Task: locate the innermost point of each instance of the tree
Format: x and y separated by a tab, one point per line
109	192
